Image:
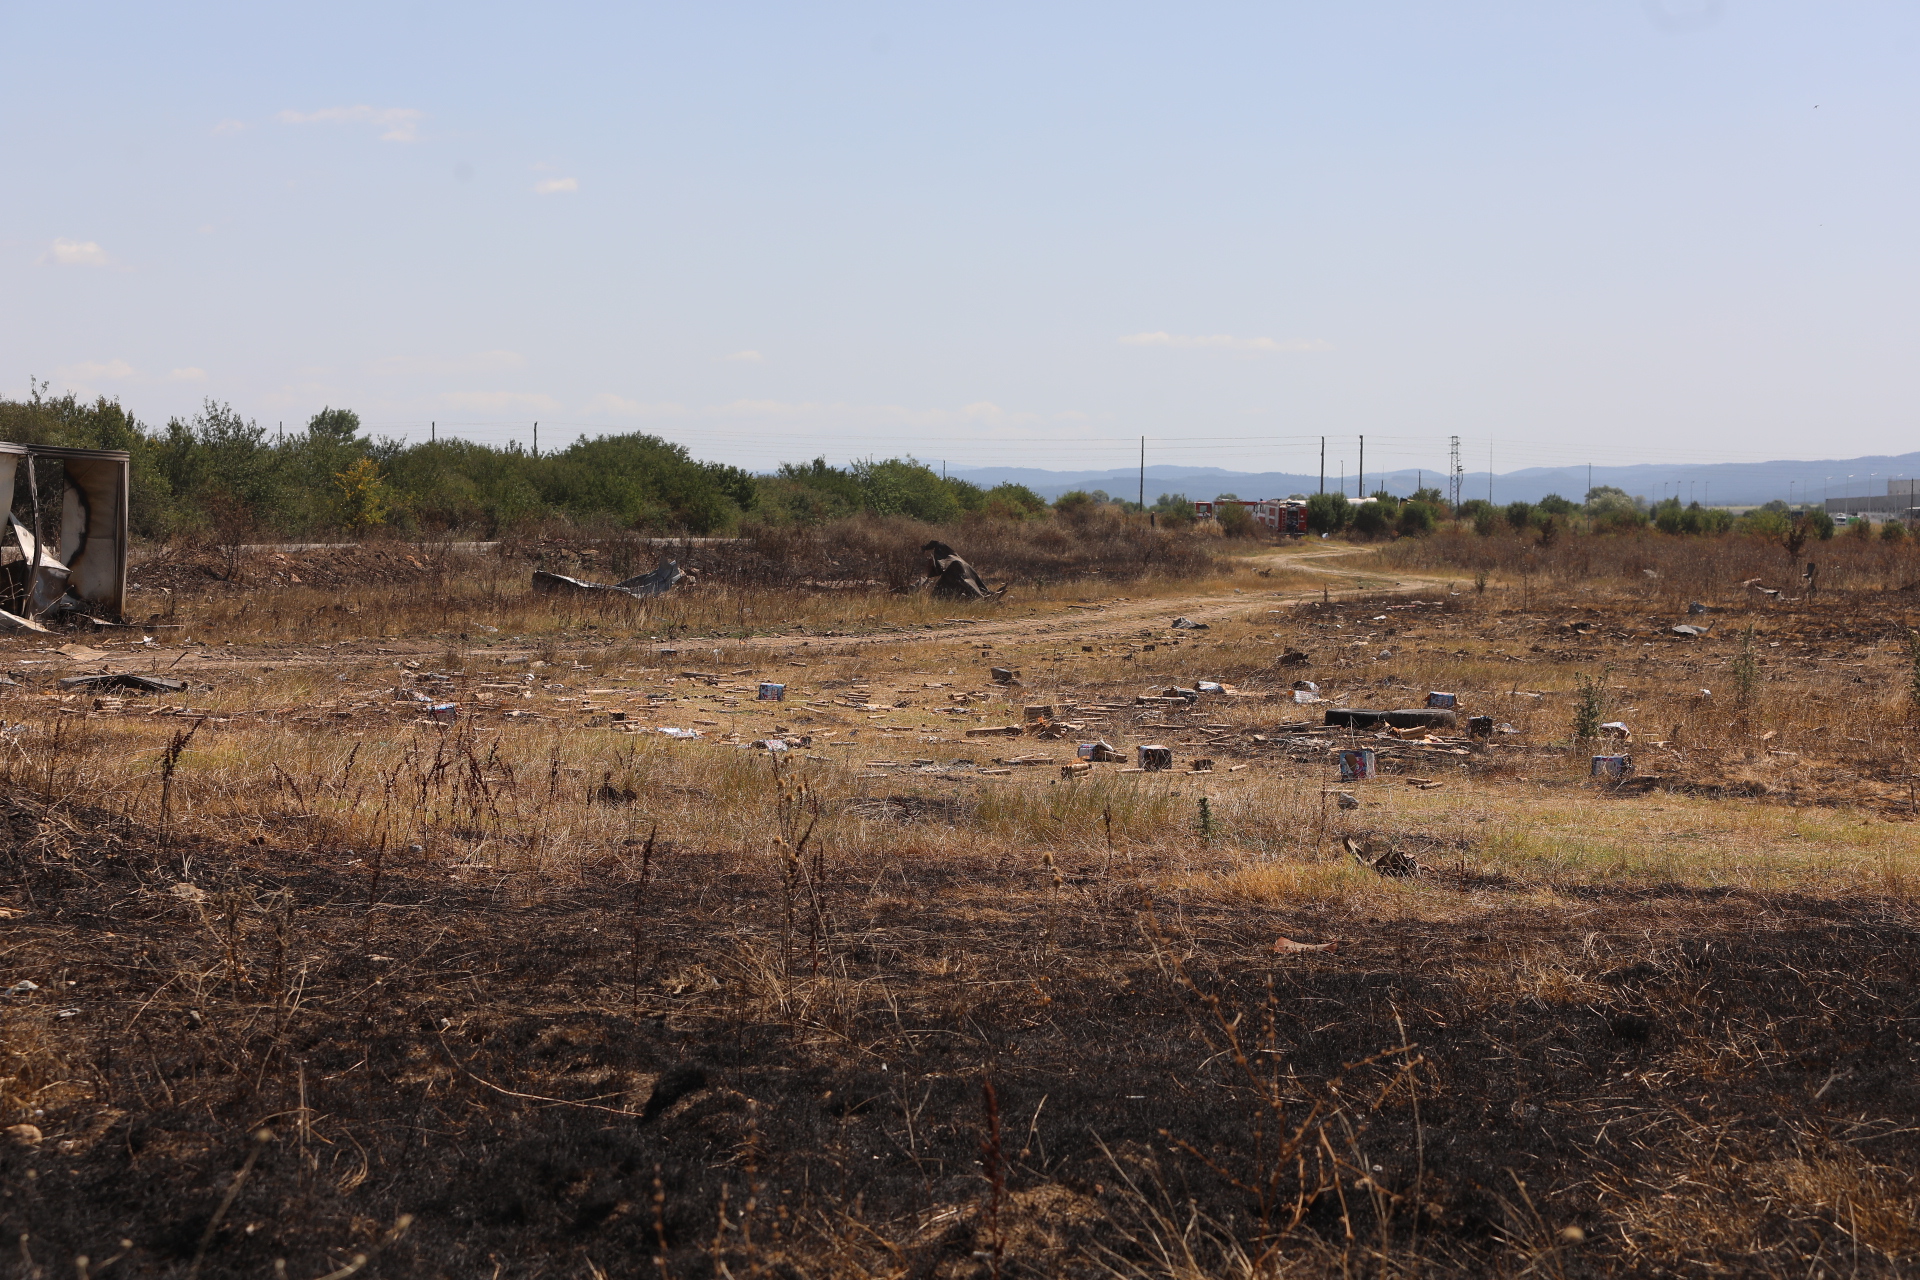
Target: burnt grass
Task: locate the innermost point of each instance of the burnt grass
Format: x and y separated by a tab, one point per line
674	1059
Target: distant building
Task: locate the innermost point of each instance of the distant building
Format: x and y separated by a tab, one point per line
1901	501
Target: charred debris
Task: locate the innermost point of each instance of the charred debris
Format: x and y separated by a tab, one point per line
76	564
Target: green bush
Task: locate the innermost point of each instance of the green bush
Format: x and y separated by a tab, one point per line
1235	520
1328	512
1519	515
1416	520
1371	519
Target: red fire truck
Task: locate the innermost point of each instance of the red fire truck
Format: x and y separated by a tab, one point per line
1281	515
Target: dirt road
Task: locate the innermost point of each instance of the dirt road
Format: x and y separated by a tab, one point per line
1124	616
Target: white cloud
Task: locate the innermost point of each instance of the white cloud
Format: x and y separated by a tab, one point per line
93	371
227	128
500	401
192	373
443	366
745	357
1223	342
557	186
78	253
396	124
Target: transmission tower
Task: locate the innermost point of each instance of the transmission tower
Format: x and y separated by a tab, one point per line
1456	473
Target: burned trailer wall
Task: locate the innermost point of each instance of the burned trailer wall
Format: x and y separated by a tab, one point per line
93	525
86	568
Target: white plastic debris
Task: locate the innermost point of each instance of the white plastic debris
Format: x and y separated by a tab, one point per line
22	987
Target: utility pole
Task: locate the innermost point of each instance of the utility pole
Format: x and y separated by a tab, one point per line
1589	482
1361	485
1489	473
1143	473
433	433
1323	464
536	439
1456	474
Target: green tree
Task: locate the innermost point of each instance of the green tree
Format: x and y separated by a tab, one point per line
1328	512
1235	520
1371	519
364	499
1519	514
1013	502
1076	505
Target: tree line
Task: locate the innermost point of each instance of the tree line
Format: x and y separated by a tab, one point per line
223	475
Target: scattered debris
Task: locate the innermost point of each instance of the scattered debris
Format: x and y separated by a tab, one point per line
1100	752
1443	701
1293	658
1616	729
1153	757
1392	862
951	578
90	567
1695	607
1078	769
608	794
1611	766
1479	726
1037	711
770	692
643	587
21	988
1287	946
1346	799
1686	629
1003	675
997	731
1403	718
1188	624
1200	764
125	680
83	653
1359	765
26	1135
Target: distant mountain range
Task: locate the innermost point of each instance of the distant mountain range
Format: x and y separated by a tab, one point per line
1724	484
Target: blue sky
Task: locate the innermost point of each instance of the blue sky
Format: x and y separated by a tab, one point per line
1639	231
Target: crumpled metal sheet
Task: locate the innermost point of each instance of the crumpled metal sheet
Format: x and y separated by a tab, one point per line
642	587
952	578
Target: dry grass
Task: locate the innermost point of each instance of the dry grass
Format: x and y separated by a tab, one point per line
571	996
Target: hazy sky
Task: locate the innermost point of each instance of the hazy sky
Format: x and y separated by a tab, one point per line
1643	230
